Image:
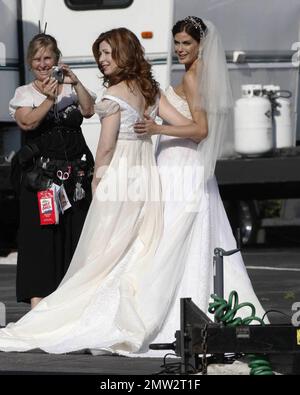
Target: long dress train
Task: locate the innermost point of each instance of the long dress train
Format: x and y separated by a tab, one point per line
96	306
197	233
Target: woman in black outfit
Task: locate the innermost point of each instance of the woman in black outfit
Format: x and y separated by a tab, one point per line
50	111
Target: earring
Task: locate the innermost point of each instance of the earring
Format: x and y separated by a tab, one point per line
200	53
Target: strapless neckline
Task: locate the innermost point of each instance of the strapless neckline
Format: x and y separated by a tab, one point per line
176	94
178	102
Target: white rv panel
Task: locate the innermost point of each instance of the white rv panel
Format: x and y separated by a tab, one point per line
268	25
9	80
77	30
9	75
8	29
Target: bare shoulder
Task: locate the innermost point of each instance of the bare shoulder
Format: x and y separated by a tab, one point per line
117	90
189	83
189	78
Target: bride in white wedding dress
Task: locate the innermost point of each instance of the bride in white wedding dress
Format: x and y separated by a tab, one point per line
133	262
204	95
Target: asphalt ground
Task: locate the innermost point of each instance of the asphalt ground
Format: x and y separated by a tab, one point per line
275	275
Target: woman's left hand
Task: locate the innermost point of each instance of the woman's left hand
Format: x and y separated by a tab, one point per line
69	76
146	126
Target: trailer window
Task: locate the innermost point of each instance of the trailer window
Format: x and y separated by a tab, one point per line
80	5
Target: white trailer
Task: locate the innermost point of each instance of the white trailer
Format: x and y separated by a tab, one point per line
9	73
268	32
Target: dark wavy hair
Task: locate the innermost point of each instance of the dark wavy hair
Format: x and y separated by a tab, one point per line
129	56
192	25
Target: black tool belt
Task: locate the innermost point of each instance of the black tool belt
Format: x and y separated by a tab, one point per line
38	173
44	173
22	163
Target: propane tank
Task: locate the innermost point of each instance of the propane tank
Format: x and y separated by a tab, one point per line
253	122
282	117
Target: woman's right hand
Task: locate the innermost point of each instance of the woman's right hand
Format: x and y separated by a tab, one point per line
29	118
49	88
147	126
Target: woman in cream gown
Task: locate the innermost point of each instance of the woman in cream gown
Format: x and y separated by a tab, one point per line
195	231
194	235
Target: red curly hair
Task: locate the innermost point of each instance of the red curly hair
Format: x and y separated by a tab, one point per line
129	56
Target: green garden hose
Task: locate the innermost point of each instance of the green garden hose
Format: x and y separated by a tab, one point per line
225	312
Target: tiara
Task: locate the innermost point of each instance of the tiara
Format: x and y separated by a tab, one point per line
198	24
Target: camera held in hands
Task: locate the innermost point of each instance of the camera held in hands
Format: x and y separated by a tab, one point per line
58	74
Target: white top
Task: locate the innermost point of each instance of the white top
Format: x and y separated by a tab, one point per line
29	96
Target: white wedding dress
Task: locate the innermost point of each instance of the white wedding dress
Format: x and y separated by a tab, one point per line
197	233
124	284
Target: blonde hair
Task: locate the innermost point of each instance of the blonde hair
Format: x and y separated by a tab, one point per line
39	41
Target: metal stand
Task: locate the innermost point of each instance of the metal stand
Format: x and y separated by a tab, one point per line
199	336
219	269
218	264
